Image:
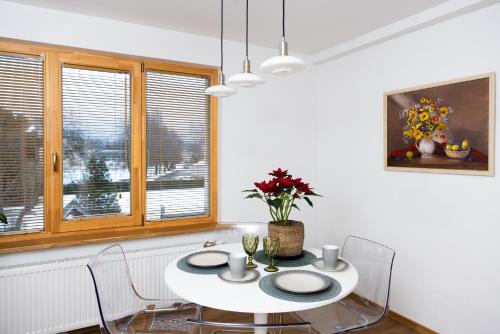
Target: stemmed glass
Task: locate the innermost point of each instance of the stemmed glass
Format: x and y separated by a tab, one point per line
271	247
250	244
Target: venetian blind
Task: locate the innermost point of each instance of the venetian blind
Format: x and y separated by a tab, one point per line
21	142
96	142
178	141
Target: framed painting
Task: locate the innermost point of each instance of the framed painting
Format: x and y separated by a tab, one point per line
446	127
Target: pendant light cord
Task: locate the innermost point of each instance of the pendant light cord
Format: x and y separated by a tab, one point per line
222	36
246	44
283	20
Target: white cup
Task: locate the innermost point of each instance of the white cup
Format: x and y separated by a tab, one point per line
330	256
237	262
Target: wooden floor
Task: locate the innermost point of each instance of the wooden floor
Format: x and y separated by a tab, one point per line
390	326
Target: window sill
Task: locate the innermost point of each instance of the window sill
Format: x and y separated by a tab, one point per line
45	240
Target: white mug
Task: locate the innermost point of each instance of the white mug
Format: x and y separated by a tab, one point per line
330	256
237	262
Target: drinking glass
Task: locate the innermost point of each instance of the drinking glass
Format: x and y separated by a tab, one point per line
250	244
271	248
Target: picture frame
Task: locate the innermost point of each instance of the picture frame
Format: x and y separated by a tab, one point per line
444	127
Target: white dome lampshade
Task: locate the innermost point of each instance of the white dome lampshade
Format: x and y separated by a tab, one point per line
283	64
245	78
220	90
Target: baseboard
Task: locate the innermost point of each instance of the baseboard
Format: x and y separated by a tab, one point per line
421	329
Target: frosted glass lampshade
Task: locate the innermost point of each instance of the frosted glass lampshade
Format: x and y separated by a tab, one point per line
220	91
284	64
245	79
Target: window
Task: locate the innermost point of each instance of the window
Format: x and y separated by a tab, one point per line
21	142
98	147
177	155
96	141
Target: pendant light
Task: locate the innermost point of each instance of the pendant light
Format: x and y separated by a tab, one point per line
221	90
246	78
283	64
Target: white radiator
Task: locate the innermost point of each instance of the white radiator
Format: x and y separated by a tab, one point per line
57	296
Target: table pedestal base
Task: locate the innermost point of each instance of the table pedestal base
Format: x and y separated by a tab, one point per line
260	318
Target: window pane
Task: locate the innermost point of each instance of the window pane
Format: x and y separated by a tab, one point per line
96	142
21	143
178	123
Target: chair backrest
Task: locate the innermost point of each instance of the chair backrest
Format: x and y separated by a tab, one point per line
233	232
373	262
116	295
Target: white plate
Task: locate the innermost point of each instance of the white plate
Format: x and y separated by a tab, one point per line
301	281
207	259
320	264
250	276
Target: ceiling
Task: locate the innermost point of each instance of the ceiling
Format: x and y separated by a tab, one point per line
312	25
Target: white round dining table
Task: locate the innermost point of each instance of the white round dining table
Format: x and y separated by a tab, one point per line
211	291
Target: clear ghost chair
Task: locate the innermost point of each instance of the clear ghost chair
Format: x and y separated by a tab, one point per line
122	309
233	232
368	305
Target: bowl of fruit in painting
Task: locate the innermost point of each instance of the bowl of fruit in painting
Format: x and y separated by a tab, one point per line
457	150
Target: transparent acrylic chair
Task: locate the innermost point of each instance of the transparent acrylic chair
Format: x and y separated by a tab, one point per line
122	309
368	305
233	232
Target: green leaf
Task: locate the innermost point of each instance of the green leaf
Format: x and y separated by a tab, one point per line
254	196
308	201
314	194
275	203
295	206
250	191
3	218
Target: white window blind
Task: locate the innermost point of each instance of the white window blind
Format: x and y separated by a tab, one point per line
178	141
21	143
96	142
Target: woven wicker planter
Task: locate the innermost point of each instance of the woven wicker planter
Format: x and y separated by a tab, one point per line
291	238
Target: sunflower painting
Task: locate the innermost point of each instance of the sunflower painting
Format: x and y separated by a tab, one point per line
446	127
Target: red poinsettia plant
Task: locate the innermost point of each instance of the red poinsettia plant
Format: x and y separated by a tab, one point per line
280	194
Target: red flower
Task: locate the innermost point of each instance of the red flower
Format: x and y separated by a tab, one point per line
280	194
286	182
266	187
304	188
279	173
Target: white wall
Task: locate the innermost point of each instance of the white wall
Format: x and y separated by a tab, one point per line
259	129
445	228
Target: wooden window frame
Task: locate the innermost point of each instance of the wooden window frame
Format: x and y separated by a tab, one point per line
102	229
93	62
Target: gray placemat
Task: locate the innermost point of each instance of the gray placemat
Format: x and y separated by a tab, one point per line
267	286
184	266
308	258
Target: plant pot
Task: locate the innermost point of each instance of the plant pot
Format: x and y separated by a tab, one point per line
291	238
